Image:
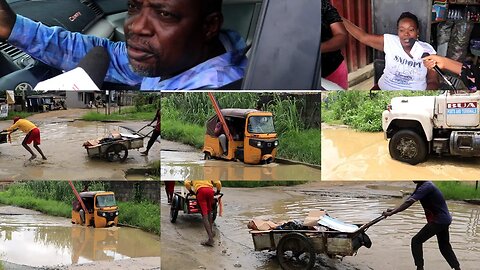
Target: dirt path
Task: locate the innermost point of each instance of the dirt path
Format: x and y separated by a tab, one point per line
352	202
62	140
352	155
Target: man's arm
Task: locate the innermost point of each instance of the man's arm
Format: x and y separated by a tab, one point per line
188	186
338	41
218	185
406	204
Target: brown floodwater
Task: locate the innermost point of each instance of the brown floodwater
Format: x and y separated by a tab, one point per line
352	155
40	240
391	237
178	165
62	142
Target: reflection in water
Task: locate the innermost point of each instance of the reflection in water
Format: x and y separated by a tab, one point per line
54	245
351	155
390	237
229	170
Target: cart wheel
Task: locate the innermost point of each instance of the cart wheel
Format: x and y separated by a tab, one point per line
295	251
175	205
117	152
207	156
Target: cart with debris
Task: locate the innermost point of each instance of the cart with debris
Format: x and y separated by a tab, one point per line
115	146
297	249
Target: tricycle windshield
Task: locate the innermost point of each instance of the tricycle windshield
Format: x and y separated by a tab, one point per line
261	124
106	201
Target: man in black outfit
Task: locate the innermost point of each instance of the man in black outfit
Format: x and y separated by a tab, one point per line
438	222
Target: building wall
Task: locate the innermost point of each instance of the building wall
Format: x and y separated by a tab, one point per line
358	12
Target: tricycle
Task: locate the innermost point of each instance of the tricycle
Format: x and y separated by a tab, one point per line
115	146
188	203
3	137
297	249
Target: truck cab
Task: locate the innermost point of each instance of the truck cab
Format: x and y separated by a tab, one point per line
448	123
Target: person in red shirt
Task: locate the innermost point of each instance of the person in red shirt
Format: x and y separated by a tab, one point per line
33	135
155	134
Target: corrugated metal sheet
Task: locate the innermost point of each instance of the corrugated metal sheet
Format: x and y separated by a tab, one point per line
359	12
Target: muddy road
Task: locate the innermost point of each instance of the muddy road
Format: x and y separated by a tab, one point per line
348	201
55	242
352	155
180	162
62	137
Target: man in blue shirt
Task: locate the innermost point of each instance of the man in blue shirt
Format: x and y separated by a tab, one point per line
438	222
170	45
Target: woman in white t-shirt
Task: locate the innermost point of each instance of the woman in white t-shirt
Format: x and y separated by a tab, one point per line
402	70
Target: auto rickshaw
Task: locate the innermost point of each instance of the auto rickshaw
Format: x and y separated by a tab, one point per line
253	141
102	209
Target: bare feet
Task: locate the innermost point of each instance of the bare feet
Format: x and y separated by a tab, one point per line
32	157
208	243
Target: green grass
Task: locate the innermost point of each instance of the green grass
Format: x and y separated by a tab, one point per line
458	190
12	114
127	114
32	194
301	145
143	215
360	110
180	131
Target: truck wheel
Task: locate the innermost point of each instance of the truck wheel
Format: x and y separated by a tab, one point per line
407	146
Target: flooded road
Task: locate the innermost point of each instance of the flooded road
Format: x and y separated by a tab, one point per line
180	162
390	237
54	241
62	140
352	155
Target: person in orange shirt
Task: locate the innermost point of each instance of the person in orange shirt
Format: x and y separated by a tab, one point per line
203	189
33	135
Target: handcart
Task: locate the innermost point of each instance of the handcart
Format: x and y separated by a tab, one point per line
297	249
115	146
188	203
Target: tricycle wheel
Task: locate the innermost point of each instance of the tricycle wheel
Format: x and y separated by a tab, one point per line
295	252
408	146
175	205
116	152
214	209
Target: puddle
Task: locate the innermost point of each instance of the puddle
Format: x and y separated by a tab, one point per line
67	158
351	155
51	241
190	165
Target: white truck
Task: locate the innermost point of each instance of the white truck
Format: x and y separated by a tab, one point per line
447	124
